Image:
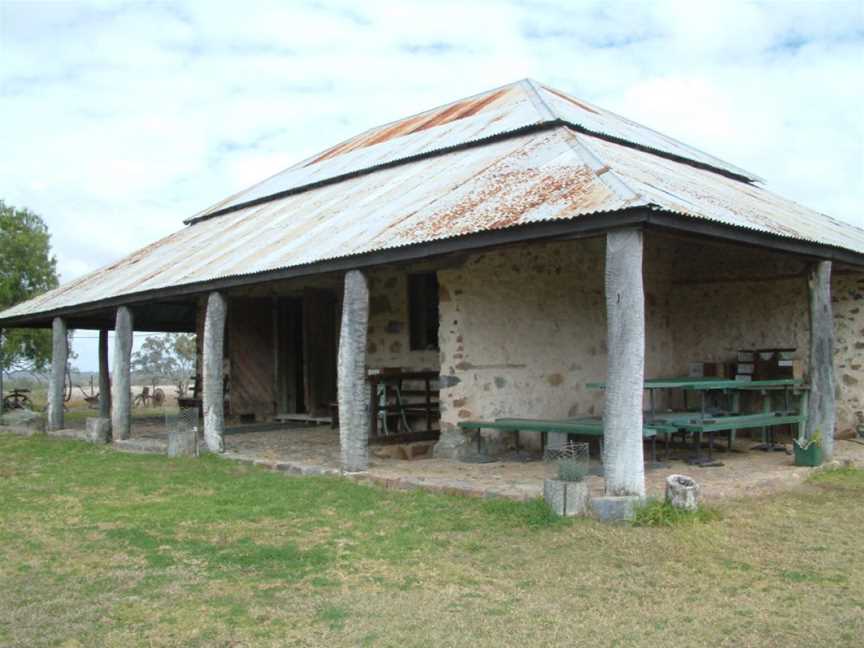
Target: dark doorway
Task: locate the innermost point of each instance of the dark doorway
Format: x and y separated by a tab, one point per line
290	397
306	351
320	344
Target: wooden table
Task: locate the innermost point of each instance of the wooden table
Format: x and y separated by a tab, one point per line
391	379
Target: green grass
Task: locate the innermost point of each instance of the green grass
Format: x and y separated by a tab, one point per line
102	548
657	513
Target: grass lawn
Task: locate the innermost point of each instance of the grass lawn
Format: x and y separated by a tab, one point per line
99	548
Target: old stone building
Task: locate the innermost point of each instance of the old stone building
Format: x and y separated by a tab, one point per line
517	246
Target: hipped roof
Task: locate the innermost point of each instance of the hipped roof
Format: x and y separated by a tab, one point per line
512	157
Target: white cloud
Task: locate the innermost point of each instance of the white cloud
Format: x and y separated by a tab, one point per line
118	120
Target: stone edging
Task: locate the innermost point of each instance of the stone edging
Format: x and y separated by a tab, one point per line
444	486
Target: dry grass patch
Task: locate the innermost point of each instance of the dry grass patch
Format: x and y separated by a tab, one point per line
98	548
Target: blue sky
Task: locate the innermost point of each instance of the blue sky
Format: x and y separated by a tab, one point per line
118	120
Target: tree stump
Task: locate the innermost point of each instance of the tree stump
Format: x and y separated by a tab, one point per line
682	492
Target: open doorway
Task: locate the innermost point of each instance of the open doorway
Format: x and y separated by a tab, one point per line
306	341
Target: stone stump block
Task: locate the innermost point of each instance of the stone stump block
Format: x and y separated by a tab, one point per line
24	422
682	492
616	508
183	442
567	498
98	429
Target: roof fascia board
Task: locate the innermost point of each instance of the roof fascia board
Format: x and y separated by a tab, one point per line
550	230
713	230
592	224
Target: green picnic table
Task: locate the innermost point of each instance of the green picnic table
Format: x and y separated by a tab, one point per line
586	427
708	423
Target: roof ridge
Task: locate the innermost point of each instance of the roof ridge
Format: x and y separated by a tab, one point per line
714	163
601	170
533	92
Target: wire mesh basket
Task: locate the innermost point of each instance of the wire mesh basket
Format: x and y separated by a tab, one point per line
572	460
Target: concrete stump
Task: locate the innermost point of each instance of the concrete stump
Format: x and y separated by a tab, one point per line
567	498
555	440
98	429
616	508
24	422
183	442
682	492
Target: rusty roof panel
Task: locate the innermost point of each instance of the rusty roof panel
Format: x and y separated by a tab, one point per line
502	110
492	113
687	190
525	179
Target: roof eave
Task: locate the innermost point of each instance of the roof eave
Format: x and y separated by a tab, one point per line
587	225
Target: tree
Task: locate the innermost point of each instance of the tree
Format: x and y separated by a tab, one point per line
170	356
27	269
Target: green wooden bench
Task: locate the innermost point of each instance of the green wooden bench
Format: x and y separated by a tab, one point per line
665	425
591	427
698	425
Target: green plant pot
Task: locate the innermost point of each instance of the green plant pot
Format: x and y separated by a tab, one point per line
810	456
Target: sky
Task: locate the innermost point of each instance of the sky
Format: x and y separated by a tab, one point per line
120	119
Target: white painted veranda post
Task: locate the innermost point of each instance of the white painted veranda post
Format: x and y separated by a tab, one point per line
121	385
622	414
822	415
353	386
214	351
57	379
104	377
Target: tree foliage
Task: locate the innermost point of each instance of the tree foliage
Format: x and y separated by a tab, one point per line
169	356
27	269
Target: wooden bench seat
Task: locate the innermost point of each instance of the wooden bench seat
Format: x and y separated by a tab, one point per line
584	427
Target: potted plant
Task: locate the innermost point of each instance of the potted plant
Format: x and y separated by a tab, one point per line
808	452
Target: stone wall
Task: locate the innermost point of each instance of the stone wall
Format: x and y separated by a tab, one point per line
524	329
848	297
389	337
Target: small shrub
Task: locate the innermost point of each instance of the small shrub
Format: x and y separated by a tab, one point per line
572	470
658	513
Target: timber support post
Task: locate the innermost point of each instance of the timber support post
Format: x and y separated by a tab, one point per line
622	413
121	385
57	379
104	377
353	387
214	353
822	415
2	367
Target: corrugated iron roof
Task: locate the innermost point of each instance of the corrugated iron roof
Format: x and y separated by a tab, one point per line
680	188
510	108
559	173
